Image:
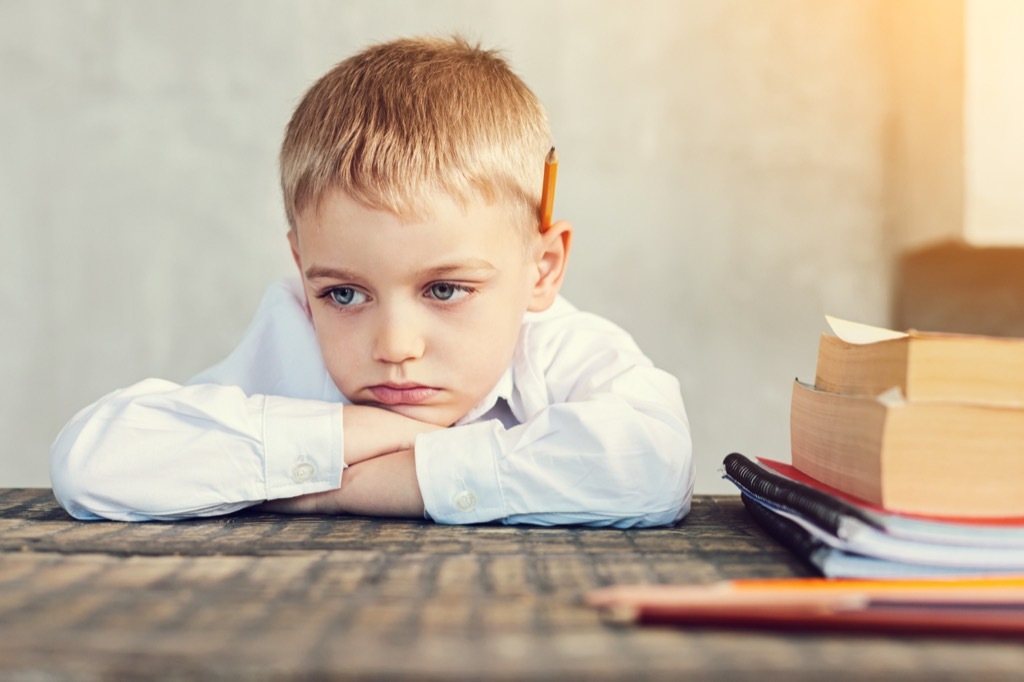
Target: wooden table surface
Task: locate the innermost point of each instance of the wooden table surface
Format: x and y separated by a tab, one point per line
263	597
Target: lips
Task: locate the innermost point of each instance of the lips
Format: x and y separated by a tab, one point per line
402	394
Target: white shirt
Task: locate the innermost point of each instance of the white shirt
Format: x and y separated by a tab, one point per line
581	429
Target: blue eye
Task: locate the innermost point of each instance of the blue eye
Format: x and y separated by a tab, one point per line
442	291
448	291
346	296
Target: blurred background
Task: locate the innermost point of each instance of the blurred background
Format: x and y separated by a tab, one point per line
735	169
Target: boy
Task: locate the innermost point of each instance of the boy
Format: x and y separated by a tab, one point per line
424	364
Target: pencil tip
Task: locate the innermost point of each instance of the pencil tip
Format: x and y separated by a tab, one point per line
552	156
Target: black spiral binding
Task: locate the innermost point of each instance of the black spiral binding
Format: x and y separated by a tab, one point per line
787	533
821	509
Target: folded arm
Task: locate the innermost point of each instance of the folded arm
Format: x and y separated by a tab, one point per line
160	451
381	486
604	440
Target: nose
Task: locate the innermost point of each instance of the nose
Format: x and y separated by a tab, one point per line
398	338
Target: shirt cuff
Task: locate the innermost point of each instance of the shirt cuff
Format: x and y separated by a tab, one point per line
458	476
303	446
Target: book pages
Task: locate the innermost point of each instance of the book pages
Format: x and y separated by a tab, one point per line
860	334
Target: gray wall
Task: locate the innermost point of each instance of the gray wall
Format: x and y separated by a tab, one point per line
722	161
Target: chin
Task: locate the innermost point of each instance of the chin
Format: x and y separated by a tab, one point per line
426	413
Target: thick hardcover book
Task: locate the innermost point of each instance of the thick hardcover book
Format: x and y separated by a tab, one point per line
939	458
840	539
925	366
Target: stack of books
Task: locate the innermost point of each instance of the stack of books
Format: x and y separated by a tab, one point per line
907	481
908	458
840	536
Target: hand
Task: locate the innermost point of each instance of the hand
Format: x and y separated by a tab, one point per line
373	431
381	486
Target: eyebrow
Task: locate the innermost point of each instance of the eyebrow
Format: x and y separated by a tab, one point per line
477	266
324	272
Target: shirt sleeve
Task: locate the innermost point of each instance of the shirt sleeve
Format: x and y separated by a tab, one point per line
263	424
604	439
160	451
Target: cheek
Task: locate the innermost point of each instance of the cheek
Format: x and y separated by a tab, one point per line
336	343
489	346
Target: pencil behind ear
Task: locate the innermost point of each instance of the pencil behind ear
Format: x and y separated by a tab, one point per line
552	258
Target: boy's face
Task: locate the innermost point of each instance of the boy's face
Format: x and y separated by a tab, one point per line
420	317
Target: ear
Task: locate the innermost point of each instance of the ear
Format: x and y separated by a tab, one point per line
551	260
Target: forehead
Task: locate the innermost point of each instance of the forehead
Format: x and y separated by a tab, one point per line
419	206
342	227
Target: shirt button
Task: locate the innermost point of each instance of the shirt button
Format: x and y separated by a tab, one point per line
302	472
465	501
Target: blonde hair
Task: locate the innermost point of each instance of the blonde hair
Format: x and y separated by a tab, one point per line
406	119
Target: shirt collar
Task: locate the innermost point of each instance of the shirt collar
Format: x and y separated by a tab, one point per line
501	390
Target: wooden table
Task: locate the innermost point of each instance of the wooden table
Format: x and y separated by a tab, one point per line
262	597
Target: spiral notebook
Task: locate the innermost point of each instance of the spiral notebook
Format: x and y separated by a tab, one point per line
840	538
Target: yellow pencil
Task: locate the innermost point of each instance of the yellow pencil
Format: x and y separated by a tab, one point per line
813	592
547	196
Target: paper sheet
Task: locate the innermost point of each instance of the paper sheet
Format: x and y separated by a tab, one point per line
858	333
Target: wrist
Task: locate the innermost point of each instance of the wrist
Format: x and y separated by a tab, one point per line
370	432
